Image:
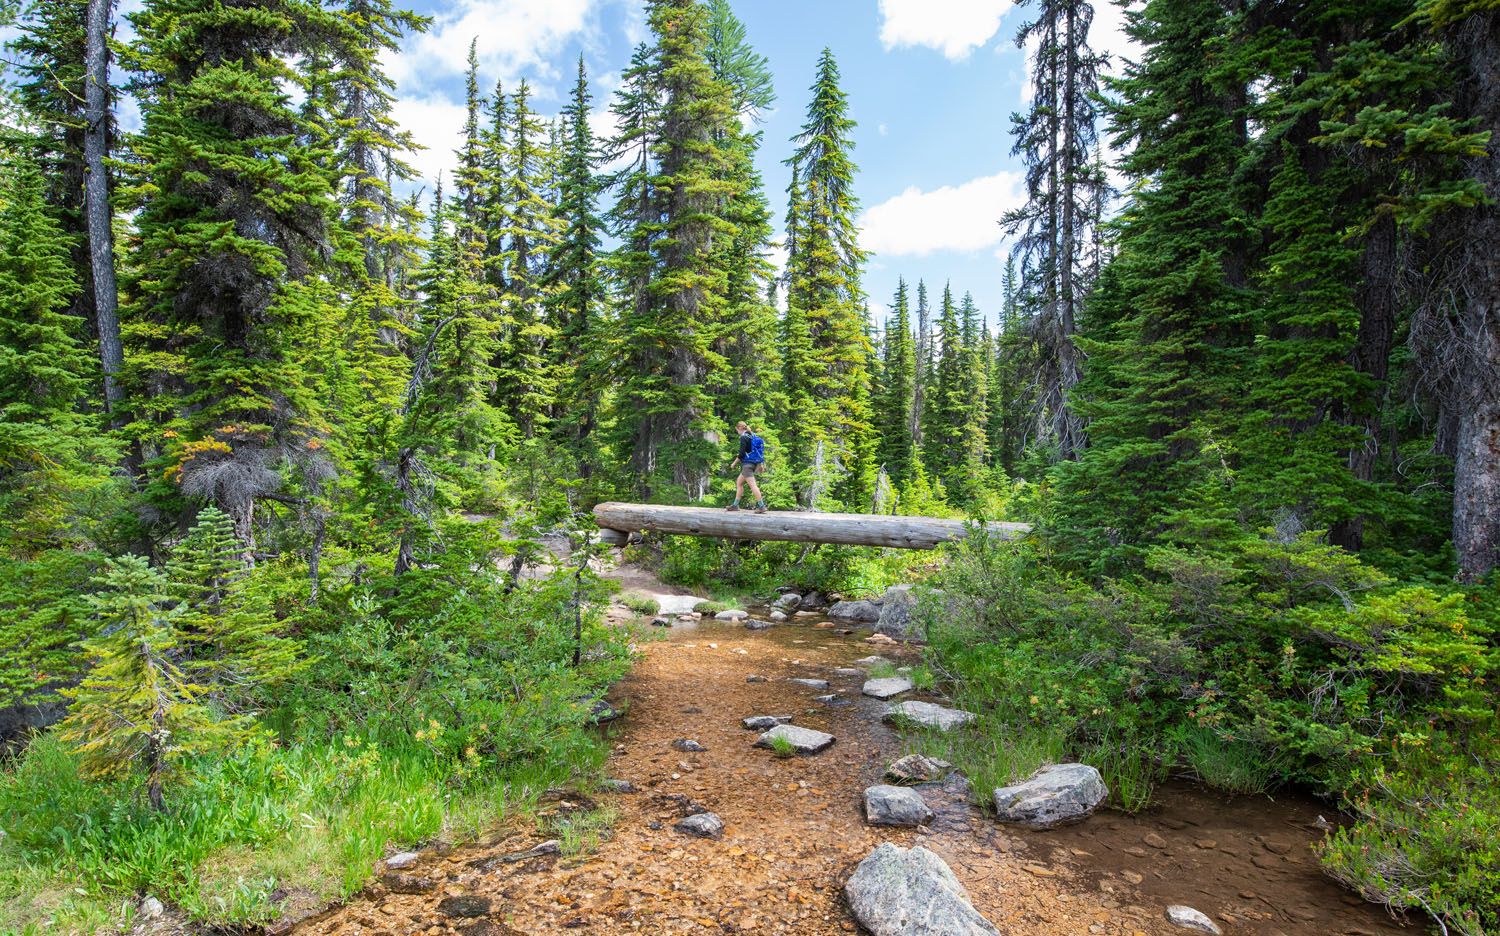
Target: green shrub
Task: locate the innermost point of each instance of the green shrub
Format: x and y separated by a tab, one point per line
711	607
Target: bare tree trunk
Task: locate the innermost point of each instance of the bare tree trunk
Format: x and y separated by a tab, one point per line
1067	354
96	203
1476	470
1371	356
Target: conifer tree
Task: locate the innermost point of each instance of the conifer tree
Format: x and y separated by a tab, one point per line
137	709
1056	141
575	284
223	304
671	203
747	387
897	387
824	269
922	368
525	376
50	454
1171	309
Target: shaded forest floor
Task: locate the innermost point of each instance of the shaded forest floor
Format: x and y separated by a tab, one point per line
795	830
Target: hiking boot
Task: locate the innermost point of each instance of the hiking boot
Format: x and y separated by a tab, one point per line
733	507
760	508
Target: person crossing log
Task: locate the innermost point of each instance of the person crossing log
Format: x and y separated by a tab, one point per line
619	520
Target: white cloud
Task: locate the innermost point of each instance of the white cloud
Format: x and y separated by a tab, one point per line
511	36
883	130
962	218
953	27
437	124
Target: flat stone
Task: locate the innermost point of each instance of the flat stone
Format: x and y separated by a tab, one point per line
703	825
807	614
787	601
886	687
749	679
777	617
1154	840
398	883
872	660
402	860
834	699
910	892
1058	794
676	604
549	847
929	715
848	671
805	740
867	612
758	624
619	786
1276	846
733	614
1188	918
810	683
467	905
688	745
895	806
917	768
763	722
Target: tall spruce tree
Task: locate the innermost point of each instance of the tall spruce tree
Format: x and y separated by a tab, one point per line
575	284
824	270
1168	320
894	420
1056	140
671	205
233	223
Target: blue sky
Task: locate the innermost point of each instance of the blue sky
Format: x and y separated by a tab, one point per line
931	83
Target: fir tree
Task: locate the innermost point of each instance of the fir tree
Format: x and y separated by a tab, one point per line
1056	140
575	283
897	387
671	204
824	269
137	709
224	305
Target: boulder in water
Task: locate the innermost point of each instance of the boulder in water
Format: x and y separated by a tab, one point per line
764	722
895	806
886	688
910	892
733	614
1058	794
804	740
917	768
929	715
810	683
864	611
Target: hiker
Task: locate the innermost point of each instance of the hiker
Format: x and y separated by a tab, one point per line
751	461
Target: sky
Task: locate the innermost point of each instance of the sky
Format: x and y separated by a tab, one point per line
931	84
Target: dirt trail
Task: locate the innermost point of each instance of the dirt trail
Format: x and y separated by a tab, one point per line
794	828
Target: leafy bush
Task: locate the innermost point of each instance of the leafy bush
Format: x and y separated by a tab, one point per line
640	604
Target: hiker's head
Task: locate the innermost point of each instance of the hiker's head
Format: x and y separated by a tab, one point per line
742	427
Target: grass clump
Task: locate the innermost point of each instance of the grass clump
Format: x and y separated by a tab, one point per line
712	607
782	747
640	604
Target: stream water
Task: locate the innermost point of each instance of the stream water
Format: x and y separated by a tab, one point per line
795	830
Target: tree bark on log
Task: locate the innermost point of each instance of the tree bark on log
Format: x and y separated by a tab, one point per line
794	526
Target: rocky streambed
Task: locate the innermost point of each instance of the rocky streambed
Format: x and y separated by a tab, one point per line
721	835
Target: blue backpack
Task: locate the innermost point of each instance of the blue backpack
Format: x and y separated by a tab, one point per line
757	454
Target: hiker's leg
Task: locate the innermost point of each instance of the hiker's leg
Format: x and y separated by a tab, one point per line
755	489
739	488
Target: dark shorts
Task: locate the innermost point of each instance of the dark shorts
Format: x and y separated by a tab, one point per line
748	470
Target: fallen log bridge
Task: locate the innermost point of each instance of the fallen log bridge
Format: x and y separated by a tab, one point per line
617	521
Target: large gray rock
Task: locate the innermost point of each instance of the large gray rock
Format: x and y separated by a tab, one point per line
676	604
1188	918
917	768
867	612
810	683
762	722
894	805
1055	795
777	617
758	624
733	614
929	715
910	892
898	614
886	688
402	860
787	601
805	740
703	825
